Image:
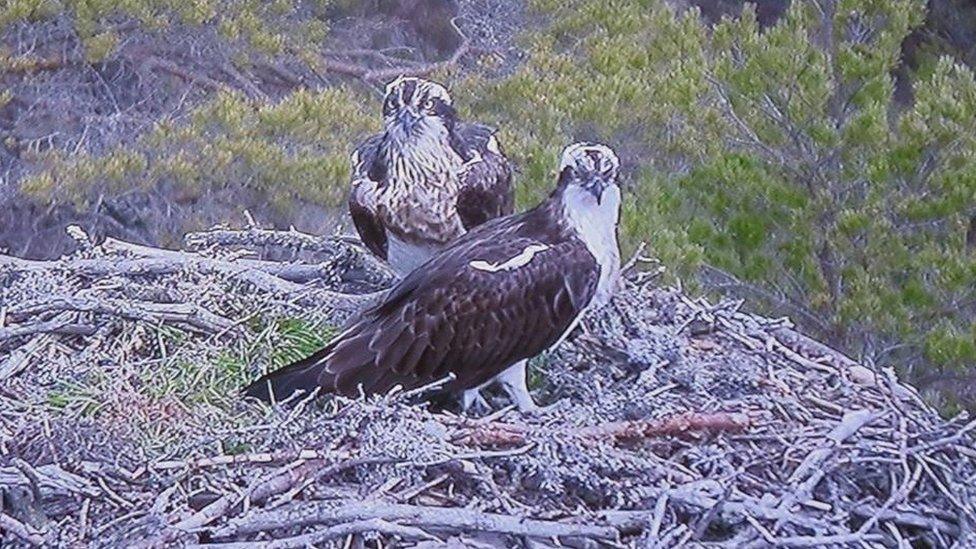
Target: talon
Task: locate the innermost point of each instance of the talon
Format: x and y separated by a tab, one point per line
472	401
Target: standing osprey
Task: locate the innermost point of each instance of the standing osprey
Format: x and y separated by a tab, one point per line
499	295
427	178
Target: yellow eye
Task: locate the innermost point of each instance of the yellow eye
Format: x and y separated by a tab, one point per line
429	105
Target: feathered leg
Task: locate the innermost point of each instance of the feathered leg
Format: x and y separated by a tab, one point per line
513	380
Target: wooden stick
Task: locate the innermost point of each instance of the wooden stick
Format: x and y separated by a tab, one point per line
21	530
258	492
266	276
317	537
428	518
240	459
507	434
187	314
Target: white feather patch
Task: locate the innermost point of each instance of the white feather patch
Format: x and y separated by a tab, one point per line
493	146
520	260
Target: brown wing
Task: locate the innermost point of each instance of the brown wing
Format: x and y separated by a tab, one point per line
367	176
450	317
486	182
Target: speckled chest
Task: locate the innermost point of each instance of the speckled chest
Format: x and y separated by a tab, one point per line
418	203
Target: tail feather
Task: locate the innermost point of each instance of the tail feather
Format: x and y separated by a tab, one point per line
303	375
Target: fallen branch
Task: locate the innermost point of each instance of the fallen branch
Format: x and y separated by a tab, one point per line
21	530
378	75
253	236
263	458
685	425
156	63
312	539
157	266
257	493
428	518
291	272
907	518
18	359
811	471
187	314
702	495
267	276
53	326
679	426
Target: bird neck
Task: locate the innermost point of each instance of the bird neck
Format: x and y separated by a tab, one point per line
595	224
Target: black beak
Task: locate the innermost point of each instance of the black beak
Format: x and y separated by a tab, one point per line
595	186
408	119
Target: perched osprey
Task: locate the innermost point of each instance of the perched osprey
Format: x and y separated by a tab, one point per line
497	296
427	178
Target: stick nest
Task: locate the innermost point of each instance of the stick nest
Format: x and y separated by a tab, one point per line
670	420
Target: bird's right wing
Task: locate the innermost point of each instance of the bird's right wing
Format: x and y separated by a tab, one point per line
366	181
486	178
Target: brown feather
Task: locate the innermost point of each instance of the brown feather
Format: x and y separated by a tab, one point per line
449	317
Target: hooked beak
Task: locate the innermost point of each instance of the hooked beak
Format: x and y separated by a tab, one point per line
596	186
407	119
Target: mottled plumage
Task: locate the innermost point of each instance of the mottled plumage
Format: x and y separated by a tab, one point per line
498	295
427	178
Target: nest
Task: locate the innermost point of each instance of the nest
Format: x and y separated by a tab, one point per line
669	421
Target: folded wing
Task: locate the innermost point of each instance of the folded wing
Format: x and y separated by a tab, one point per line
486	179
452	317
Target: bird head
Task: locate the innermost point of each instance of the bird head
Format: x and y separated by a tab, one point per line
414	106
591	168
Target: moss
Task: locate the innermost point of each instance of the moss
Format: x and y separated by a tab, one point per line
298	339
99	46
148	400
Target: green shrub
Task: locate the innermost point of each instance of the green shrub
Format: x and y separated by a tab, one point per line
778	156
295	149
268	27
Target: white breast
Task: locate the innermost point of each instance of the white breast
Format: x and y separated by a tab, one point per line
596	225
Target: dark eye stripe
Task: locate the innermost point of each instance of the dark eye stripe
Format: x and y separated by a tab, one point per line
409	88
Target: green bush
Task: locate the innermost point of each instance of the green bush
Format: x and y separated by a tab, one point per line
295	149
778	157
267	26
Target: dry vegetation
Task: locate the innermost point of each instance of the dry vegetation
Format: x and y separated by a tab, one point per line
673	420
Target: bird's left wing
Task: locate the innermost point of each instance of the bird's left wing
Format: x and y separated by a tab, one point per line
366	181
486	177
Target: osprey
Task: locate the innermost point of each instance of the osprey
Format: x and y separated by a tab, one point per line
497	296
427	178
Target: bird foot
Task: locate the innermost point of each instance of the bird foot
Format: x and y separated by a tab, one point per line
473	402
